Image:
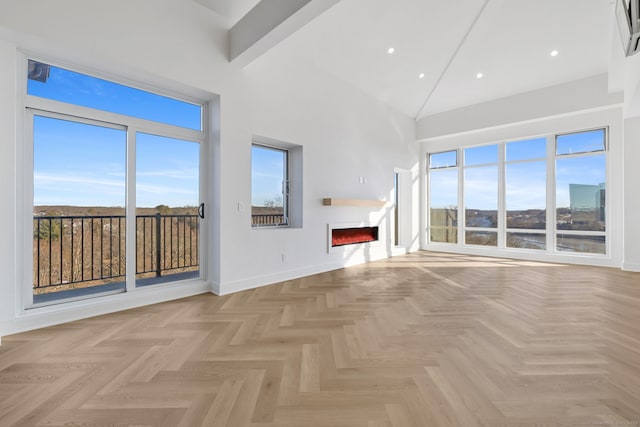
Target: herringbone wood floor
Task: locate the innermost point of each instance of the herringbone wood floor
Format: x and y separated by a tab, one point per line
420	340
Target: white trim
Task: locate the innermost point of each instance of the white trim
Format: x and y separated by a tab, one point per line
630	266
462	217
269	279
130	208
525	254
501	220
141	125
203	196
24	194
62	313
521	123
551	194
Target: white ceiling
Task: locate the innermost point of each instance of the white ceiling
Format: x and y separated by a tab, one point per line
229	10
509	43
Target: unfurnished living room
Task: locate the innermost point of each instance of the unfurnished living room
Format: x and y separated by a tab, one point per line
331	213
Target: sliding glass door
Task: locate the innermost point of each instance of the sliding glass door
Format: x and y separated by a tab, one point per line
79	227
167	209
85	240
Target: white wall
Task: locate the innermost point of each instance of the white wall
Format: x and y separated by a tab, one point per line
7	178
583	94
624	74
631	259
344	137
631	79
519	117
180	46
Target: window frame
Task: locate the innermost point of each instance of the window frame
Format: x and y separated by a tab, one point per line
583	233
31	105
550	231
480	166
548	193
285	188
295	178
459	217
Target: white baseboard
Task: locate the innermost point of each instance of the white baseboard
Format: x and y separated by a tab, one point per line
399	250
630	266
42	317
257	281
556	258
268	279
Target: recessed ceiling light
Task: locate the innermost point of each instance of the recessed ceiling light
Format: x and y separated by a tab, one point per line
479	75
390	50
554	52
421	75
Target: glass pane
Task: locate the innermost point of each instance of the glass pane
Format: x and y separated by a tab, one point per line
580	193
444	235
443	160
443	196
526	195
79	207
581	142
587	244
268	180
167	200
527	241
524	150
483	238
481	197
481	155
48	81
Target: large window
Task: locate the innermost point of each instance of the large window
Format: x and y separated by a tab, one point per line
443	197
506	192
276	183
481	195
115	174
580	192
269	186
526	194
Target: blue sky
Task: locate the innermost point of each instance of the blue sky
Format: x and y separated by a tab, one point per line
267	174
81	89
84	165
526	181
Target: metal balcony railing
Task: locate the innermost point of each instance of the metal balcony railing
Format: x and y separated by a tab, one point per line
268	219
76	249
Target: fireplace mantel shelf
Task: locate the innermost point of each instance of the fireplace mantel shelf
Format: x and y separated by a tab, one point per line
331	201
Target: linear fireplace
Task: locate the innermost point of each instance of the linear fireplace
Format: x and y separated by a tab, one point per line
349	234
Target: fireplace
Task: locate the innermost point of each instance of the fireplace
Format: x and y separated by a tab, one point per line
349	234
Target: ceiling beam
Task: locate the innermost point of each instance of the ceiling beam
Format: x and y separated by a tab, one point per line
269	23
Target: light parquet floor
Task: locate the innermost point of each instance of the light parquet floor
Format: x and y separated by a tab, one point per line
425	339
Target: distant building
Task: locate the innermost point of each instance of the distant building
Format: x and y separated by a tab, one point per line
587	203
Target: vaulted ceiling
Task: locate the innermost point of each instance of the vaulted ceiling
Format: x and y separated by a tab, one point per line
449	43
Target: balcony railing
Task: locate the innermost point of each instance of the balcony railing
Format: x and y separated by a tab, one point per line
267	219
81	249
